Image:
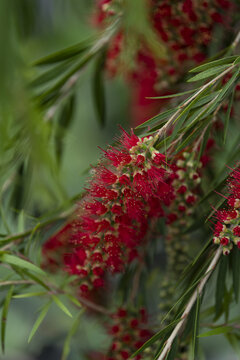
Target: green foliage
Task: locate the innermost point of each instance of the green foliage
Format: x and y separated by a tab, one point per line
37	113
4	316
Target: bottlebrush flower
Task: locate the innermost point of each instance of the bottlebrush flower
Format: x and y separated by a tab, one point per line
127	190
184	181
184	27
129	331
227	227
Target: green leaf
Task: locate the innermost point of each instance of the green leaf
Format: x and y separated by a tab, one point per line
192	136
235	271
155	337
230	84
227	60
16	261
172	95
72	331
30	294
64	121
35	278
195	330
39	320
51	74
98	89
61	306
217	331
66	53
237	61
204	143
4	316
234	342
227	118
209	72
206	99
74	300
220	286
157	120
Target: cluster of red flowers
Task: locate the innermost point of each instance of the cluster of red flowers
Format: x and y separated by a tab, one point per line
185	28
227	228
127	190
129	332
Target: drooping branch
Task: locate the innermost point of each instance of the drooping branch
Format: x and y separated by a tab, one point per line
197	292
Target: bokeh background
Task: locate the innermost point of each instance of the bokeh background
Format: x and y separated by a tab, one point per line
30	29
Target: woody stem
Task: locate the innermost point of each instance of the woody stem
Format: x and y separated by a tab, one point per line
197	292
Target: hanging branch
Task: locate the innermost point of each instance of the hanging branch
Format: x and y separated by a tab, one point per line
197	292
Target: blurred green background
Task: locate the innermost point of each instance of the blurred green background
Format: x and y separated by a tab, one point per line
29	30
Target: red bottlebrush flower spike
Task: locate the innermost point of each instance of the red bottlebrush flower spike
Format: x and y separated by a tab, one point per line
227	228
185	27
129	331
125	193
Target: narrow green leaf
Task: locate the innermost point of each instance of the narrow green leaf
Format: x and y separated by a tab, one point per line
227	60
155	337
35	278
39	320
64	121
237	61
226	303
61	306
204	143
173	95
4	316
235	272
206	99
51	74
98	89
217	331
72	331
195	330
74	300
157	119
21	220
209	72
30	294
234	342
220	286
16	261
66	53
192	136
227	118
229	85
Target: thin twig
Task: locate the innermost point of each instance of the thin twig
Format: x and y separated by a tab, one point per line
190	304
16	282
94	306
236	41
23	234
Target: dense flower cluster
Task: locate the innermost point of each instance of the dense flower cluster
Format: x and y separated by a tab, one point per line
184	180
129	331
185	28
227	227
127	190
